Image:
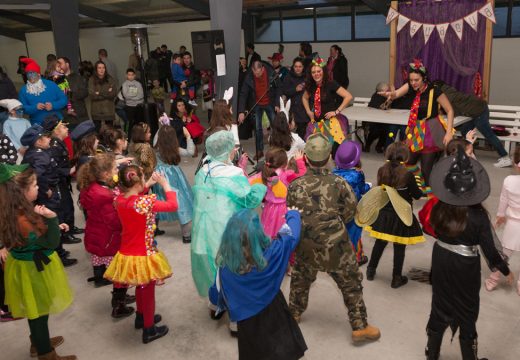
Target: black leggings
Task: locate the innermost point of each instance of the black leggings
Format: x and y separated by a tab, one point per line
3	307
377	252
427	162
40	334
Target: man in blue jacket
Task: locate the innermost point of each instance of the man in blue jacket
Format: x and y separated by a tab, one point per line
40	97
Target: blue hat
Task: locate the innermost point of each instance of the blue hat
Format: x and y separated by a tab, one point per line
32	134
51	122
82	130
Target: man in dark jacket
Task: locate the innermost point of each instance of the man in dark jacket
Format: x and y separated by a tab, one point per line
77	94
471	106
262	84
252	55
165	60
293	88
337	66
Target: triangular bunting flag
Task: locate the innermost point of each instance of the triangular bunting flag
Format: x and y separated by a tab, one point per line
458	27
487	11
392	14
427	31
472	20
414	27
442	29
401	22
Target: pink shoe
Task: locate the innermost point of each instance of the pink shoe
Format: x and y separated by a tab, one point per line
492	281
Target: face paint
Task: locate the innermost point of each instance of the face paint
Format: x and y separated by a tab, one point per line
32	75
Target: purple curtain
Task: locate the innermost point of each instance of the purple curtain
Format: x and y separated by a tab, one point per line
456	61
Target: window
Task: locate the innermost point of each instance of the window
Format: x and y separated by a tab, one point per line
515	19
298	25
500	28
333	23
267	27
370	25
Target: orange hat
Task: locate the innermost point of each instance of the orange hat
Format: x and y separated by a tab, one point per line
31	65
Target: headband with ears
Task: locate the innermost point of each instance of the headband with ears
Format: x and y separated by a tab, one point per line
285	108
228	94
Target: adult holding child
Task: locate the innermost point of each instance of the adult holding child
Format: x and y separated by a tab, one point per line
428	132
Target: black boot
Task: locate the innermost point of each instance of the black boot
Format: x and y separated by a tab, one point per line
139	320
371	273
433	348
398	281
153	333
98	278
469	349
186	239
119	308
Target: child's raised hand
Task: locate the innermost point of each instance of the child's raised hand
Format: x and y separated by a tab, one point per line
43	211
159	178
294	208
64	227
471	136
125	160
186	133
298	155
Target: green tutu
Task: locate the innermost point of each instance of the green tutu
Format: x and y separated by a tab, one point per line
31	293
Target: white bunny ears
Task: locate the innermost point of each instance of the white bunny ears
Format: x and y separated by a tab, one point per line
228	94
164	119
285	108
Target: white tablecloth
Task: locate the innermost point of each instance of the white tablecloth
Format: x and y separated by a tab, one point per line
392	116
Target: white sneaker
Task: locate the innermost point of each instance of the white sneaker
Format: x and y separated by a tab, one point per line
503	162
193	103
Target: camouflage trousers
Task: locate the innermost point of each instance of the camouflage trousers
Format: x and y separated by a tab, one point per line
348	280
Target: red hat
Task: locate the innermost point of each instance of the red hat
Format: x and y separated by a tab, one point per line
31	65
276	57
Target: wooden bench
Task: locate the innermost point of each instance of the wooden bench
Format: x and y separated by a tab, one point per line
508	117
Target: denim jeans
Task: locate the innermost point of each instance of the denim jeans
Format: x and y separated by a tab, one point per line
481	122
259	111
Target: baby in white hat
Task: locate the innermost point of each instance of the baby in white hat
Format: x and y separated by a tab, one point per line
16	124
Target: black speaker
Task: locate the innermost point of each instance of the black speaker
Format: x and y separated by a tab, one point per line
206	46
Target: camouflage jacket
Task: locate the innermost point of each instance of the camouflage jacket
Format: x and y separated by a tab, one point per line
327	202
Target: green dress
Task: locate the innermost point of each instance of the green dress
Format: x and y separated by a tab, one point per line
218	194
35	281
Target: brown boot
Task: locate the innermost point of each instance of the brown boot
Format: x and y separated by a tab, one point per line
53	356
369	333
55	342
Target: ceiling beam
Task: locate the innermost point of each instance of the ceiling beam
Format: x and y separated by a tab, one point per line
26	19
107	16
196	5
14	34
377	5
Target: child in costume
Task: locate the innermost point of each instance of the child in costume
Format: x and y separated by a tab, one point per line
282	134
35	281
508	215
138	262
60	79
158	95
180	79
326	202
8	153
463	230
141	150
277	178
386	212
251	270
16	124
348	166
96	182
168	159
220	190
85	143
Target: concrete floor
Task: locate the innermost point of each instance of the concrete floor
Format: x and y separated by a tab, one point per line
401	314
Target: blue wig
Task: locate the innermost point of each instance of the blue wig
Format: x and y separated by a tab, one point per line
243	243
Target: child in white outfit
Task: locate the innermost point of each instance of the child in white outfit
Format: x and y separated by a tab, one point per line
509	214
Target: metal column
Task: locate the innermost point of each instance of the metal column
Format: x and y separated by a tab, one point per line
227	15
65	28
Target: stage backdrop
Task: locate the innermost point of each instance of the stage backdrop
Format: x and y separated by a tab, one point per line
448	36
